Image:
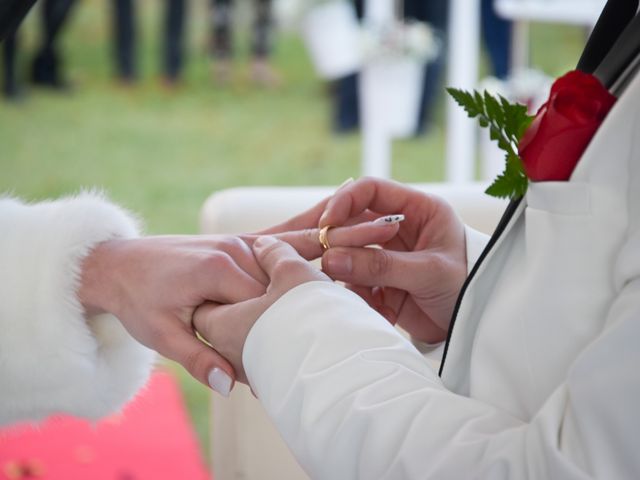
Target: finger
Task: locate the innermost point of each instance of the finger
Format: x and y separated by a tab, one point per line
201	361
242	254
375	267
284	266
379	231
421	327
382	196
225	282
363	292
226	329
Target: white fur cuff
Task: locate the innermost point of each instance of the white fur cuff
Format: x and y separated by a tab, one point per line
51	359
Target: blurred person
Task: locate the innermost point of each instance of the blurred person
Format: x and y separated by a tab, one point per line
10	84
262	72
496	33
125	40
47	67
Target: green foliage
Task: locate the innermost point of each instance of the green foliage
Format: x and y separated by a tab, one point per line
506	122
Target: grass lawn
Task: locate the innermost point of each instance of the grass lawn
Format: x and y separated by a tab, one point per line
161	153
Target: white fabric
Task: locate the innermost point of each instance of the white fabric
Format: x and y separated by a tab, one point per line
53	359
475	243
541	376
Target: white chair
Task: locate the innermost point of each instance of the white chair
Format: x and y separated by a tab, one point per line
245	445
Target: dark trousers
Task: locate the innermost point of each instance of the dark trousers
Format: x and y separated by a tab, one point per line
496	33
124	28
222	29
47	64
9	74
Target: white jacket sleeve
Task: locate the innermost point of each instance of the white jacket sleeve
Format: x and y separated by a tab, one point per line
355	400
52	358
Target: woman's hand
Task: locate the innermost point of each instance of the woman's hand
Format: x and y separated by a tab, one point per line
154	284
416	277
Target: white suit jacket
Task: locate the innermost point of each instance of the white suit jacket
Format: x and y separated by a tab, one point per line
542	378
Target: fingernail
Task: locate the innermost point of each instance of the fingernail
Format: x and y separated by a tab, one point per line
220	381
389	219
264	241
339	263
346	182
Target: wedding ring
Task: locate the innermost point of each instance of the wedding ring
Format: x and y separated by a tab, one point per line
323	237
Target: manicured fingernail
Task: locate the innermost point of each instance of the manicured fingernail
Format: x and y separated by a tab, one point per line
264	241
346	182
389	219
220	381
339	263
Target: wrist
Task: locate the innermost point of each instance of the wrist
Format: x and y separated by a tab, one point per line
97	282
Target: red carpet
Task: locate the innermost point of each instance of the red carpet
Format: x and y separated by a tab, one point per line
151	440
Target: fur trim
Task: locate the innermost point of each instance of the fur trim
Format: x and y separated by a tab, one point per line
52	359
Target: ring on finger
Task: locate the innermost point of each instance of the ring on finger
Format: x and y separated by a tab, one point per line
323	237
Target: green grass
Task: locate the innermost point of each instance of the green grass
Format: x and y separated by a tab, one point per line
162	153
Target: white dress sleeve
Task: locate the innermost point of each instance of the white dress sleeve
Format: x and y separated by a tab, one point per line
353	399
52	358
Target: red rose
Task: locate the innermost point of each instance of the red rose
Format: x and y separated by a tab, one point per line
563	127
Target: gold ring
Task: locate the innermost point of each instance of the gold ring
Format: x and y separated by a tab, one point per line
323	237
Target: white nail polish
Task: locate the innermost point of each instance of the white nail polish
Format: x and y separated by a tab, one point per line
389	219
220	381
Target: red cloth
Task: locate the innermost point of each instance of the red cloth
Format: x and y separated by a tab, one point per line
151	440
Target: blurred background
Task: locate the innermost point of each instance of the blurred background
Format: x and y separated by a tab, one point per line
161	102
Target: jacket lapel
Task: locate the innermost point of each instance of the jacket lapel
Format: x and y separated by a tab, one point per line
615	16
616	28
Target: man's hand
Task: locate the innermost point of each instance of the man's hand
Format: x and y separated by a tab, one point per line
415	278
154	284
226	327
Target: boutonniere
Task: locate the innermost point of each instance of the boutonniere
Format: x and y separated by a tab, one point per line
547	146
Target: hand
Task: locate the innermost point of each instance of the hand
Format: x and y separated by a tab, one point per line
226	327
154	284
416	277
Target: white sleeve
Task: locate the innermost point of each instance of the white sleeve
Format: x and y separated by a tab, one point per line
52	358
354	400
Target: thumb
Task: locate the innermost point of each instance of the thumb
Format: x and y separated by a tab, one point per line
283	265
373	267
202	362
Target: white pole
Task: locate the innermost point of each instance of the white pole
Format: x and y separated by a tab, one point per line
376	140
463	53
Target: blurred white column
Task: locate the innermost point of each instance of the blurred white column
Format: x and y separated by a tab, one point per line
376	139
463	53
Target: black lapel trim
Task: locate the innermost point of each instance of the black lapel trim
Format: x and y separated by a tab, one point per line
622	54
615	16
504	221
